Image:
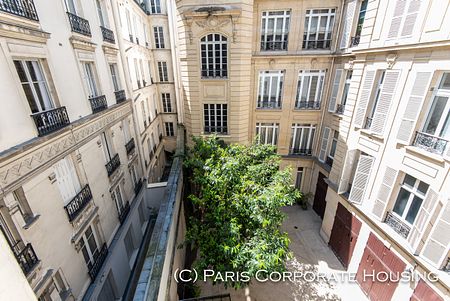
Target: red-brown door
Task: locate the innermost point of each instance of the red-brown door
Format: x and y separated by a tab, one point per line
320	203
344	234
424	292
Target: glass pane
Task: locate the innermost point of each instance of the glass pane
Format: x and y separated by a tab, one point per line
445	82
423	187
29	94
92	244
409	181
413	209
31	70
313	89
305	88
435	115
305	138
20	71
85	254
402	200
445	131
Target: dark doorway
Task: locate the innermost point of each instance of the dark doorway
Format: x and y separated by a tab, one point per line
319	198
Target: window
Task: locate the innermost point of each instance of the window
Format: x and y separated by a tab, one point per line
332	151
169	129
129	26
144	83
159	37
102	18
348	78
302	139
67	179
55	290
155	6
89	247
107	147
138	75
361	17
214	56
410	198
270	89
90	77
215	118
404	18
376	98
34	85
359	178
318	28
144	114
116	195
298	179
128	242
162	69
309	89
70	6
275	30
167	105
133	174
115	76
141	213
267	132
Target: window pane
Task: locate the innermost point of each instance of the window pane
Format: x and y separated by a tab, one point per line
445	83
413	209
401	201
409	181
423	187
436	111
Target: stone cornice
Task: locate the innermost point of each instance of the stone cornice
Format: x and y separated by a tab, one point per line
23	32
82	43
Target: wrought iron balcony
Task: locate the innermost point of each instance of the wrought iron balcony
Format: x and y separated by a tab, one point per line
301	151
307	105
214	73
354	41
77	204
21	8
108	34
27	258
223	130
430	143
120	96
138	186
51	120
398	225
130	145
124	212
79	25
340	109
274	45
324	44
368	123
99	260
113	165
98	103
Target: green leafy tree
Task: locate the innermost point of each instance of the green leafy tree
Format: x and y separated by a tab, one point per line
237	194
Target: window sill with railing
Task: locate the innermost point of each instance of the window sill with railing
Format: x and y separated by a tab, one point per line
108	35
79	25
78	203
307	105
20	8
214	74
113	165
98	103
51	120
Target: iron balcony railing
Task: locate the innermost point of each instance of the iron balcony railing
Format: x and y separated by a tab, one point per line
214	73
216	129
221	297
98	103
113	165
324	44
78	203
108	34
368	123
274	45
301	151
307	105
21	8
51	120
27	258
124	212
430	143
340	109
120	96
138	186
79	25
98	262
398	225
130	146
354	41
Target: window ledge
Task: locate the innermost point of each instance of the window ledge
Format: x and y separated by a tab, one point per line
269	109
418	151
370	134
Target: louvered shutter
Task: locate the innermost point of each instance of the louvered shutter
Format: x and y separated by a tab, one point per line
361	179
390	175
67	179
334	91
396	21
346	171
411	17
348	22
411	114
437	244
364	97
323	146
384	101
422	218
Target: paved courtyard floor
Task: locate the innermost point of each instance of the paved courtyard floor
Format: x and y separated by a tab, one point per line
311	255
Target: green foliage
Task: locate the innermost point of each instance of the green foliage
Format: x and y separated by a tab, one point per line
237	195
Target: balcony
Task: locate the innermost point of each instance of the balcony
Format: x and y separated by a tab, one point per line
77	204
307	105
99	260
79	25
301	151
214	73
120	96
222	130
124	212
368	123
130	146
340	109
108	35
274	45
98	103
138	186
398	225
20	8
354	41
26	258
113	165
324	44
430	143
51	120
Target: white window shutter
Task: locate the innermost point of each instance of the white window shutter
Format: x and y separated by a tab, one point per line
361	179
384	102
324	144
399	11
436	246
348	22
334	91
66	179
413	107
390	175
364	97
411	17
347	170
422	218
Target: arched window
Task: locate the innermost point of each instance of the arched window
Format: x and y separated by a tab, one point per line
214	56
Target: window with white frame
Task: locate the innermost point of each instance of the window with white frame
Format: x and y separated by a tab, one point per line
215	118
275	30
332	150
162	70
214	56
319	25
309	89
115	76
159	37
89	246
101	15
116	195
155	6
302	138
70	6
270	89
348	78
107	146
90	77
34	85
267	133
169	129
374	102
67	179
361	17
167	105
299	177
129	25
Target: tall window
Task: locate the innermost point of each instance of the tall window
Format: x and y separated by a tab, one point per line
404	18
167	105
214	55
162	70
309	89
267	132
67	179
376	98
215	118
155	6
318	28
275	30
115	76
270	89
70	6
302	138
138	75
107	146
34	85
169	129
298	179
101	16
410	198
348	79
90	77
332	151
159	37
89	247
116	195
361	17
